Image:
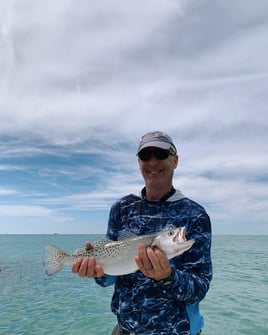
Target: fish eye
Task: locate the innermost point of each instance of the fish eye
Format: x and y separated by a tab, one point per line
170	233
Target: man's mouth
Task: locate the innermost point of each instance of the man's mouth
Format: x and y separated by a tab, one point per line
155	171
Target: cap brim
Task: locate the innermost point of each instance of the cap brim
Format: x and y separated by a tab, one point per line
156	144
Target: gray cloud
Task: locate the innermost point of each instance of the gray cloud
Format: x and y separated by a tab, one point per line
81	83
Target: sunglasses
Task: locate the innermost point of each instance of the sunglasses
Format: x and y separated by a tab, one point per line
159	154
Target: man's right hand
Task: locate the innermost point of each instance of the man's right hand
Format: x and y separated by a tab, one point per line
87	267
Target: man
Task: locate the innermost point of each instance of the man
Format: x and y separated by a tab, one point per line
162	297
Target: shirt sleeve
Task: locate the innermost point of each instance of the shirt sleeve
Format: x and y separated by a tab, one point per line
106	280
192	271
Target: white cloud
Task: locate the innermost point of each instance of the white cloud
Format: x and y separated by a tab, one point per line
87	80
23	210
6	191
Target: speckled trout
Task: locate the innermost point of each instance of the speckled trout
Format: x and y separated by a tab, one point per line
118	257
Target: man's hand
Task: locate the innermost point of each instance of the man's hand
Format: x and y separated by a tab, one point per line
87	267
153	263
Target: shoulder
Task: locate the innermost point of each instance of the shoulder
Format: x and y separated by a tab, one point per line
193	204
185	202
192	210
178	196
196	210
198	219
125	201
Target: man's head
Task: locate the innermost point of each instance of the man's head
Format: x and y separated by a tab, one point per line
157	160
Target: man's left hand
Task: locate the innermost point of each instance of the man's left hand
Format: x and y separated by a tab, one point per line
153	263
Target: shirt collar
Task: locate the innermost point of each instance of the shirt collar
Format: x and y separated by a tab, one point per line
163	198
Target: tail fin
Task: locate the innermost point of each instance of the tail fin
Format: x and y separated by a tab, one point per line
54	260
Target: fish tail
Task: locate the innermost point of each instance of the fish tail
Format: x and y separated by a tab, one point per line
55	259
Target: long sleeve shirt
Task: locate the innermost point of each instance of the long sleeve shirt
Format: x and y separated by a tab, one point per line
141	304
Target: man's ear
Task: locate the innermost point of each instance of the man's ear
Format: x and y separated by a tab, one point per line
175	161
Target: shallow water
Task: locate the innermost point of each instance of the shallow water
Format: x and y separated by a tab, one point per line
33	303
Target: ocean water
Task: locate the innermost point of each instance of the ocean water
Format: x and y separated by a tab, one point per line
64	304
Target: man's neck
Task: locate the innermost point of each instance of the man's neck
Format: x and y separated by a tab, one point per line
154	195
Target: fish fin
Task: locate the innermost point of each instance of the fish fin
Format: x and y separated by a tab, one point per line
126	234
54	259
100	242
80	251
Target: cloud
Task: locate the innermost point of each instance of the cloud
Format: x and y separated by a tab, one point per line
21	211
5	191
80	84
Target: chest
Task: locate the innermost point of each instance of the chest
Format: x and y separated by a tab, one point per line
147	218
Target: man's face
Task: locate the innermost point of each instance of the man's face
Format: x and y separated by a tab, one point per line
157	173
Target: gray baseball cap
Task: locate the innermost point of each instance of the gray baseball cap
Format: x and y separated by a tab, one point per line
157	139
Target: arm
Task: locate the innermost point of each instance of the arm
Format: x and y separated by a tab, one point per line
193	269
186	277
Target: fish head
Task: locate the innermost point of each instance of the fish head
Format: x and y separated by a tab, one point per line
172	242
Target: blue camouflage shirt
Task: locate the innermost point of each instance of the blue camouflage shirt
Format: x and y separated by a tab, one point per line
141	304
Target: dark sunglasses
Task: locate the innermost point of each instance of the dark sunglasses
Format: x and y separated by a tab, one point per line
159	154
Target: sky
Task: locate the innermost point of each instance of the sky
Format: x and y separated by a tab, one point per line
81	82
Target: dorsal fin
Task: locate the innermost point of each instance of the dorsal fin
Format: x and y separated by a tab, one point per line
79	251
126	234
100	241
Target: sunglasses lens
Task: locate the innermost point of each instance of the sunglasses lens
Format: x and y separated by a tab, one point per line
144	155
159	154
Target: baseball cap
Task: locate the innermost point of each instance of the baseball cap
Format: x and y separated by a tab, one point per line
157	139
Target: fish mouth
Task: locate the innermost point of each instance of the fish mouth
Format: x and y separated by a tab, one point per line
182	243
180	236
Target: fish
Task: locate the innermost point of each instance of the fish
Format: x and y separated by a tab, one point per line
118	257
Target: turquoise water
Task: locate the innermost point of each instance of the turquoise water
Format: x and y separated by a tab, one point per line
64	304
